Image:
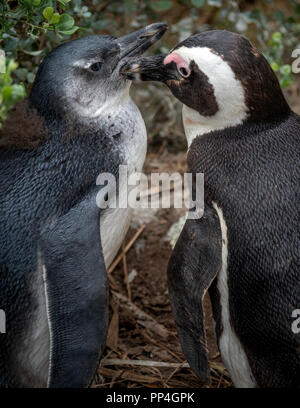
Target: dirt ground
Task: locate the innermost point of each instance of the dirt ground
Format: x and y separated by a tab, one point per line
141	326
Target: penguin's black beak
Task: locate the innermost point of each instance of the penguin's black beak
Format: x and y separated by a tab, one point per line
136	43
150	68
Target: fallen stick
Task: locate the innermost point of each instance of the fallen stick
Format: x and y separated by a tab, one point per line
126	271
144	363
142	318
128	246
149	363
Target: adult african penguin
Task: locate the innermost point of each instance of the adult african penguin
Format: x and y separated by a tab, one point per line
56	241
246	248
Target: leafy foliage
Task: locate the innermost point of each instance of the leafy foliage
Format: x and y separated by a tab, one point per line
10	92
24	25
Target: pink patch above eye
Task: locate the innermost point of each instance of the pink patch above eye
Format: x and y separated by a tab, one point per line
182	66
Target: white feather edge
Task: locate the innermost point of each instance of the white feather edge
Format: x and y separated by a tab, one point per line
232	352
49	323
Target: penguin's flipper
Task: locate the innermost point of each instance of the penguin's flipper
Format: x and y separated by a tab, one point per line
76	295
194	263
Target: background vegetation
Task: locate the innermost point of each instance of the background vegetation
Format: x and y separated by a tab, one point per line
29	29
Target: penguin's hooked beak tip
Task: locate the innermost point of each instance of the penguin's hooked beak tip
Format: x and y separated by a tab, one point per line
136	43
154	29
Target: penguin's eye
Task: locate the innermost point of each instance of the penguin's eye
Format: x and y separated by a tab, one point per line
96	66
184	72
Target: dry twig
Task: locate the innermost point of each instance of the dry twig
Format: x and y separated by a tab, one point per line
128	246
142	318
144	363
126	271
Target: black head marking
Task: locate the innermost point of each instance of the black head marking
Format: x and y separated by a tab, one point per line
263	95
196	92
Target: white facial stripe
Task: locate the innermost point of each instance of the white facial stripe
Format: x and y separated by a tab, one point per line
228	90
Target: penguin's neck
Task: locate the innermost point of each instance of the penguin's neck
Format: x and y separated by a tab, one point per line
66	113
101	121
197	125
97	110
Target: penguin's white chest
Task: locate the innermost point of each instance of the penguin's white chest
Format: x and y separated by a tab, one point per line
114	222
232	352
114	226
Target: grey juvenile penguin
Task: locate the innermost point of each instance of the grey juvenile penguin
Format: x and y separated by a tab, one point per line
246	248
56	242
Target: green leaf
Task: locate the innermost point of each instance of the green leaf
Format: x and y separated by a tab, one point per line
11	44
36	2
64	2
69	32
274	66
198	3
18	92
55	19
27	4
2	63
276	36
285	69
30	77
6	92
21	73
275	40
12	65
48	13
65	23
161	5
286	81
